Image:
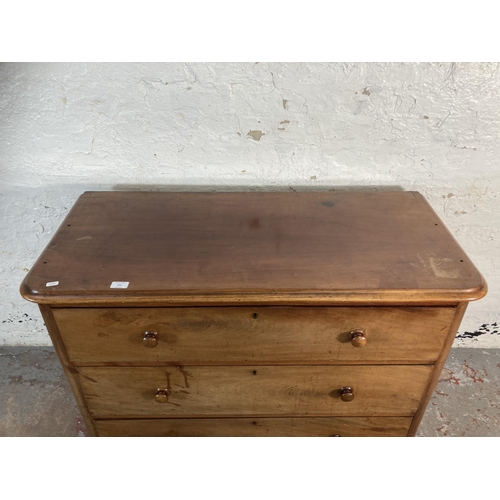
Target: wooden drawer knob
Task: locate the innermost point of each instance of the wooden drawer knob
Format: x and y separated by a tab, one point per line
346	394
161	395
358	338
150	339
334	435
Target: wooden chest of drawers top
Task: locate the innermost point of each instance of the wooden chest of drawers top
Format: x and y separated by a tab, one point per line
249	248
252	314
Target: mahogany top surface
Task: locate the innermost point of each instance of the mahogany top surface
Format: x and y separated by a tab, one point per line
288	246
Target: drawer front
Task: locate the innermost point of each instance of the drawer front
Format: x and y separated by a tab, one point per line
256	427
226	335
259	390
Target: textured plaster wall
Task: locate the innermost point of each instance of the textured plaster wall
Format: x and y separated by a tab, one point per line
68	128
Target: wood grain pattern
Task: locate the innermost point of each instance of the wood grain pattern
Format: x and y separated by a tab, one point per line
333	247
438	367
257	427
206	335
68	368
260	391
249	300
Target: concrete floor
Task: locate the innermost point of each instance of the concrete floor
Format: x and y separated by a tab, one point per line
35	398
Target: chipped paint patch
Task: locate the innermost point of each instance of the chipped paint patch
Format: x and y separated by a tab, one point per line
471	373
255	134
484	329
440	393
448	376
443	429
18	319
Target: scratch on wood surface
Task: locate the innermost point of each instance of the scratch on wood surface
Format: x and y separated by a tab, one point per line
441	267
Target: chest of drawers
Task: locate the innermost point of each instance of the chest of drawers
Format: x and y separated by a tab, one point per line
252	314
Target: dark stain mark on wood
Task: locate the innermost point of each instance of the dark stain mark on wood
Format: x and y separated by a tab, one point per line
254	224
186	375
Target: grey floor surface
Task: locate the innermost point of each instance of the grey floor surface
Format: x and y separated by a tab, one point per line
35	398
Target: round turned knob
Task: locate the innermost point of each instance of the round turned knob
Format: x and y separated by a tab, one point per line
150	339
334	435
358	338
346	394
161	395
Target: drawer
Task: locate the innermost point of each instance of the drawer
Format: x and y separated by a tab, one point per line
256	427
226	335
259	390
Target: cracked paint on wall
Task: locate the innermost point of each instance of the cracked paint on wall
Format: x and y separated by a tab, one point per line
68	128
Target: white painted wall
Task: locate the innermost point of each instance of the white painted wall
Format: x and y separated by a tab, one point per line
68	128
